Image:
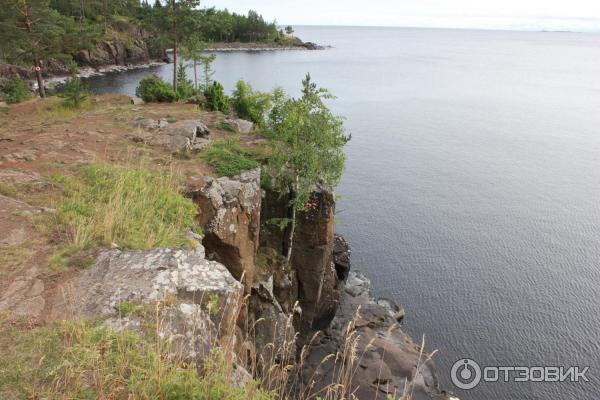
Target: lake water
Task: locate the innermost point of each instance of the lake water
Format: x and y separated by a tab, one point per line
472	189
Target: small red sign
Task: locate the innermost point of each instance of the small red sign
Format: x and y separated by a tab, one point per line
38	68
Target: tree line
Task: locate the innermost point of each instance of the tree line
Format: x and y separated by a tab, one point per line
36	31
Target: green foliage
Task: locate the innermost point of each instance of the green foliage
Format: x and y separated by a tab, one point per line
250	104
289	30
216	100
307	142
14	90
152	89
75	91
229	158
223	125
223	26
84	360
133	208
32	31
185	87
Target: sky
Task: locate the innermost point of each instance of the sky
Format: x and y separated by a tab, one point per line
577	15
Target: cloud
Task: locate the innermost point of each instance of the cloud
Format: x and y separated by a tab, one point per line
485	14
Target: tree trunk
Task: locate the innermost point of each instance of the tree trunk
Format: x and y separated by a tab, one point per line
174	47
105	15
290	248
40	79
37	62
195	75
292	230
175	65
81	10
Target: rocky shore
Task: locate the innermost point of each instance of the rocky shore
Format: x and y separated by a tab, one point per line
232	289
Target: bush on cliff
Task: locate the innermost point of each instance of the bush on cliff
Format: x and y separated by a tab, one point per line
152	89
131	207
216	99
14	90
307	146
250	104
229	158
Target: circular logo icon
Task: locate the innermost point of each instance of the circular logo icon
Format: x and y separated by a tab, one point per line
466	374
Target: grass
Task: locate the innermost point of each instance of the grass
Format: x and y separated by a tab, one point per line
224	126
7	190
131	208
84	360
54	109
229	158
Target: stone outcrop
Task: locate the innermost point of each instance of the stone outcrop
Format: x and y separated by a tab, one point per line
135	50
239	125
198	299
154	276
185	135
229	212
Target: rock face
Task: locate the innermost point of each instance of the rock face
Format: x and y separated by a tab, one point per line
118	52
229	212
386	358
341	257
312	257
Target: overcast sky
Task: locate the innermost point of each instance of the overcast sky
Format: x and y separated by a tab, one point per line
492	14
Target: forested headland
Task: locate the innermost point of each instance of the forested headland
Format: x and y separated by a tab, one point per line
45	37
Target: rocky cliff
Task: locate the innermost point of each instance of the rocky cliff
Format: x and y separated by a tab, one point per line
288	324
130	47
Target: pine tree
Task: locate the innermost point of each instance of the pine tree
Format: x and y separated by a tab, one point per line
31	33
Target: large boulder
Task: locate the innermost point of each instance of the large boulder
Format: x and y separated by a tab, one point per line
240	125
229	212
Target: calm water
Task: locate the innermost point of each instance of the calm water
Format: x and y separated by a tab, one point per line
472	189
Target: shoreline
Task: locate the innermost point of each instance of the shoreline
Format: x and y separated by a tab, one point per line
257	46
88	72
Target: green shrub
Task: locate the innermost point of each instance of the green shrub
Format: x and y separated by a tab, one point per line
75	93
229	158
14	90
216	100
185	87
152	89
250	104
133	208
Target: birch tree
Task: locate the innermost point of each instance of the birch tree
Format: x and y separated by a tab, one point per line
307	147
